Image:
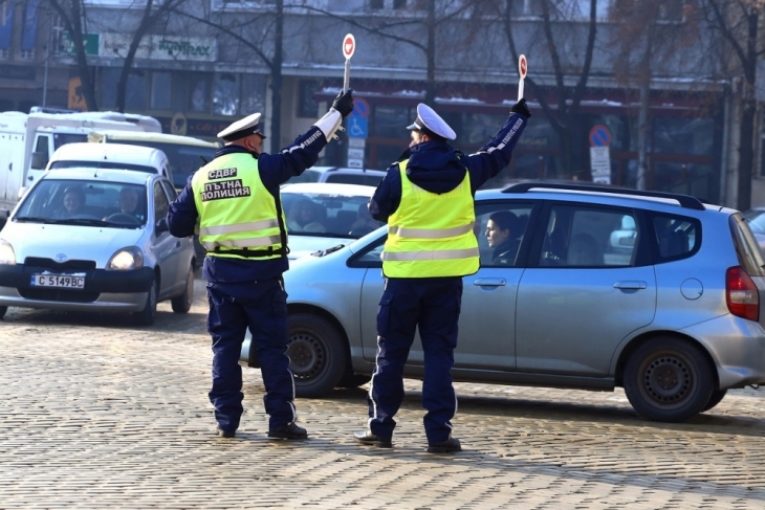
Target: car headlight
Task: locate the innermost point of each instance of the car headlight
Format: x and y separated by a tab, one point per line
125	259
7	255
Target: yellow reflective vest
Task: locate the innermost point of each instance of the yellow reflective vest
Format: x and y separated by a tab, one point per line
430	234
238	217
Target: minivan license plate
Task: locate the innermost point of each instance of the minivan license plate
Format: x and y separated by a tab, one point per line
66	281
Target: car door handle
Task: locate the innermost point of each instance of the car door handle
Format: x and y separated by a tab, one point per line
630	285
490	282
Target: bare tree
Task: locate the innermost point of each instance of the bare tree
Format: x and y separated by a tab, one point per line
426	17
74	17
567	98
738	21
263	34
645	34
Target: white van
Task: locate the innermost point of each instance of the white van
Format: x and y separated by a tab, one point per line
185	153
114	155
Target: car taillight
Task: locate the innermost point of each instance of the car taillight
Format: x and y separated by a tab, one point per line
741	294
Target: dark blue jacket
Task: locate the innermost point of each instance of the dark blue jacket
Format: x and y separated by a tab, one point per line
438	168
275	169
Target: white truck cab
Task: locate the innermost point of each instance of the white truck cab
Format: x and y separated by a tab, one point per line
28	140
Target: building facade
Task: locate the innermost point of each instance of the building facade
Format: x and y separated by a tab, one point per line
210	61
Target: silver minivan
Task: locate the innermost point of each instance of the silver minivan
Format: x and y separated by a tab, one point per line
657	293
93	239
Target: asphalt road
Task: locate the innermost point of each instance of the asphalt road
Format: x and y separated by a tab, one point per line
98	413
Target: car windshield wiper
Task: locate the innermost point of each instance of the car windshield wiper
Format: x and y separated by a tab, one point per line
327	251
91	222
37	219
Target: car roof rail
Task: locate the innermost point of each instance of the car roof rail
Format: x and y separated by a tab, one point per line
686	201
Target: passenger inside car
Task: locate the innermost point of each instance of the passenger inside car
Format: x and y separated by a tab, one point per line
73	202
364	223
307	216
503	233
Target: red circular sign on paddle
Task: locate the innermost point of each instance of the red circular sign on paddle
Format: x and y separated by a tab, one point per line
522	66
349	45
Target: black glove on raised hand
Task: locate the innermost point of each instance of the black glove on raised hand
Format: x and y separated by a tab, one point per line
343	103
521	109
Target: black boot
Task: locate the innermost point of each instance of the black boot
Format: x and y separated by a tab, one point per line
289	431
370	439
451	445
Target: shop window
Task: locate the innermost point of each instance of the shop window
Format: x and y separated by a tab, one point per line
253	95
376	4
306	104
390	121
679	135
161	90
225	94
136	99
200	94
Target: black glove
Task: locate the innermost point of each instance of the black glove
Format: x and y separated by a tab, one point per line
343	103
521	109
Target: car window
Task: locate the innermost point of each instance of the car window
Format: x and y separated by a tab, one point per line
584	236
500	228
370	256
328	215
82	202
169	190
749	254
676	236
161	204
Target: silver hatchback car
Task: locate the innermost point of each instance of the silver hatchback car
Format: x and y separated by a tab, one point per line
89	239
603	287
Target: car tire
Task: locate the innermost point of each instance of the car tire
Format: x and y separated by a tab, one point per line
3	311
668	379
182	303
146	316
716	398
317	354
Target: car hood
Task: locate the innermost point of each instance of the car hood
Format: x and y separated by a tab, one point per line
67	242
300	245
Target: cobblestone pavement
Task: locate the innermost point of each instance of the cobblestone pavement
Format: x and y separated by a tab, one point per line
97	413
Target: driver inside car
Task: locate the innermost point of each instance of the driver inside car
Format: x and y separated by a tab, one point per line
127	205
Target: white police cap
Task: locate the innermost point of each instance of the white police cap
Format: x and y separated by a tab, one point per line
243	127
427	118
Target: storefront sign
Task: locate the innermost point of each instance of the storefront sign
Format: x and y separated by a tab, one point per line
161	47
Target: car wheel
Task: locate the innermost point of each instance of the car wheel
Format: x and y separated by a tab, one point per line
146	316
182	303
668	379
716	398
3	310
317	354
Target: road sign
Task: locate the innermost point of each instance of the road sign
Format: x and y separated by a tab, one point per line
349	46
600	136
357	123
600	164
523	67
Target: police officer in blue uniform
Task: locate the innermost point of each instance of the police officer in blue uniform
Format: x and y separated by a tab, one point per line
234	200
427	199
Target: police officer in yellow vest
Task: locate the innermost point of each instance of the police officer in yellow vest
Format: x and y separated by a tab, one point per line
427	200
235	201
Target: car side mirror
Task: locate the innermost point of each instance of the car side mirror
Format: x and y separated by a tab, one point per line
161	226
39	160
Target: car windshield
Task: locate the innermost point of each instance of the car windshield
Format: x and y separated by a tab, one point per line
82	202
328	215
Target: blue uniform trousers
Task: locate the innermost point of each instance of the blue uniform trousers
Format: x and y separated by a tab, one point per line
261	306
433	306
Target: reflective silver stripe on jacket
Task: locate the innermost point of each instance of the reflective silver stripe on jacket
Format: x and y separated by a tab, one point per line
430	233
243	243
240	227
431	255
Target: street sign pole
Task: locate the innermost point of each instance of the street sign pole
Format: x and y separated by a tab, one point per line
349	48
